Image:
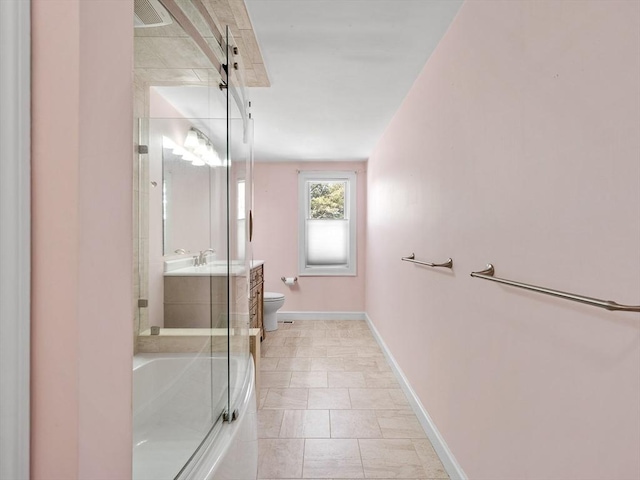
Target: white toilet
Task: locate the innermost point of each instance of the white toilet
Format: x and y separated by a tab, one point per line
272	303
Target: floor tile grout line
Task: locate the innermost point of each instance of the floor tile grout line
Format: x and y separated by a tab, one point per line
281	423
385	387
304	450
364	475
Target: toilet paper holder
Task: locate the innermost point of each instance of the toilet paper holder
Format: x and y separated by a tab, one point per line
289	280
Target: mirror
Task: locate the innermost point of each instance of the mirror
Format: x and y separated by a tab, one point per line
189	183
188	161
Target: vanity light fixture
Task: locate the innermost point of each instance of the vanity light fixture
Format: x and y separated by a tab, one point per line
201	149
211	157
175	149
191	142
197	149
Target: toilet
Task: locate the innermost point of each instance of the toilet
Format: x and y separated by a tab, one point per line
272	303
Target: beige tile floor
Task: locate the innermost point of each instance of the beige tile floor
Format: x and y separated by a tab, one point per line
331	408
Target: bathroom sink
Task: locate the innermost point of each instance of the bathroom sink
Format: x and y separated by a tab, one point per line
213	269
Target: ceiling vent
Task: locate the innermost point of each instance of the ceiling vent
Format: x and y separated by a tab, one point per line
150	13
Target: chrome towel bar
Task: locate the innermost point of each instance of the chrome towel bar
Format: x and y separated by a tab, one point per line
487	274
412	259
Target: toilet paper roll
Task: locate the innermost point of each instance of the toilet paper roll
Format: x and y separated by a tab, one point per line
289	280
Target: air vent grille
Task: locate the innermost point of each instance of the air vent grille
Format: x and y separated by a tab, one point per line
150	13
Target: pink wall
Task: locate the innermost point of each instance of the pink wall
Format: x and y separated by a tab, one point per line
518	145
276	239
82	230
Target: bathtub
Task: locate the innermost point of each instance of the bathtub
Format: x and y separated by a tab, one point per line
178	400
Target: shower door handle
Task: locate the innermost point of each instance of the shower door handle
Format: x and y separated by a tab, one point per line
250	225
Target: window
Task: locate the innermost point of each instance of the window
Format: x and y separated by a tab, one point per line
327	223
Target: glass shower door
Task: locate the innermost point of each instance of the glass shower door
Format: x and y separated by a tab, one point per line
192	177
239	148
181	387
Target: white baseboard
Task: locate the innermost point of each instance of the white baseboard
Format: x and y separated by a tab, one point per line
321	316
449	462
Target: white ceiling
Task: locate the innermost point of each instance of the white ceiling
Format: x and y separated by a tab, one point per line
339	70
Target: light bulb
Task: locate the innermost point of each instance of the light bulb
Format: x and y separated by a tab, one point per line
191	141
211	157
201	149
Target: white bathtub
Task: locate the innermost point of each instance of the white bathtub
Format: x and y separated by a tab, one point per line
176	400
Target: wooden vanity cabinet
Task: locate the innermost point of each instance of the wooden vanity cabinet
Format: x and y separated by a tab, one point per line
256	299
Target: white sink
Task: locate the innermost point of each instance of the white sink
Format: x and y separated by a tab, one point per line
183	267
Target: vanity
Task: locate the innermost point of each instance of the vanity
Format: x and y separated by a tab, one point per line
197	297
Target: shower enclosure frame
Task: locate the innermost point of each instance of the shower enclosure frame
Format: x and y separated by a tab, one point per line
237	339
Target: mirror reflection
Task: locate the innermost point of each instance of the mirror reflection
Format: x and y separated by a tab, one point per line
189	179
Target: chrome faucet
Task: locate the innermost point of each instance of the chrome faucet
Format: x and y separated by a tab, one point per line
202	258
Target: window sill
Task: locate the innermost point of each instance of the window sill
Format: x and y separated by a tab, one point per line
327	272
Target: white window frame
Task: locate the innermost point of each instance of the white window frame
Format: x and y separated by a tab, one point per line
350	212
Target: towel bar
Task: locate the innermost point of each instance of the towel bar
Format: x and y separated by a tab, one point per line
412	259
487	274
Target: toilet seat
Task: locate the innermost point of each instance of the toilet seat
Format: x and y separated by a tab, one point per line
273	296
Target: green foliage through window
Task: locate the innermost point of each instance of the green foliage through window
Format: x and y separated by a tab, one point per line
326	200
